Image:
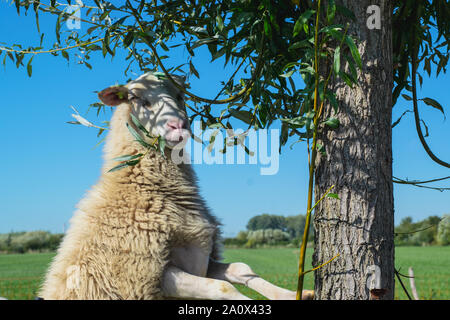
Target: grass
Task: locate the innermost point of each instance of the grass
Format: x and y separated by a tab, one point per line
21	274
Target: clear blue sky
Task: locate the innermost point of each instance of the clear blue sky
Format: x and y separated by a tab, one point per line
48	165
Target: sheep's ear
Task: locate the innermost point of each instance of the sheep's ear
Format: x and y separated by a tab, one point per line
114	96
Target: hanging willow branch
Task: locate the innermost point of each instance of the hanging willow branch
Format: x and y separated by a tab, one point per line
414	92
419	184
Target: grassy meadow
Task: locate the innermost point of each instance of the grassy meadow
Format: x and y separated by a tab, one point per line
21	274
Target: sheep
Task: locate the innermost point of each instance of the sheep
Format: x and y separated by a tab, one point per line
144	232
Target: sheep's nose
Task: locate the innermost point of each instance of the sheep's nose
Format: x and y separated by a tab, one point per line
176	124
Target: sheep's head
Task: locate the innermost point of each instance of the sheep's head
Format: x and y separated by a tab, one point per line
157	103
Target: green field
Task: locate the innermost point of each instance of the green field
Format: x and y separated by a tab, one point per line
20	275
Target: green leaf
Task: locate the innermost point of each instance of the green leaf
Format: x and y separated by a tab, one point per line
347	79
163	45
301	21
426	128
300	44
106	47
83	121
137	136
321	149
65	55
124	165
406	97
331	10
296	123
139	125
128	39
433	103
30	67
353	50
333	195
128	157
331	96
287	74
58	27
337	60
243	115
161	145
193	70
332	122
219	22
400	118
91	29
267	28
37	19
17	2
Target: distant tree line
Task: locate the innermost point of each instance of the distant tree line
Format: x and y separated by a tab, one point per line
33	241
269	229
433	230
262	230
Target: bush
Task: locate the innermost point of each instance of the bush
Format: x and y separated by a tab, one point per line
21	242
443	233
268	236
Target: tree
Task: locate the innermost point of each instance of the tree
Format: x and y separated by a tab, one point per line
267	221
359	228
359	153
346	127
295	225
443	236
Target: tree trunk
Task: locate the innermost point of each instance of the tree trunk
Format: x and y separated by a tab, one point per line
358	161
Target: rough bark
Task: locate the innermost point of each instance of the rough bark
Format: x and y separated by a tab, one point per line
358	161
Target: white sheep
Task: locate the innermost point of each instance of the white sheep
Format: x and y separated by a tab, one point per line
144	232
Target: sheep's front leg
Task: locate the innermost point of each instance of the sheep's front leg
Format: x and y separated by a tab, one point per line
241	273
179	284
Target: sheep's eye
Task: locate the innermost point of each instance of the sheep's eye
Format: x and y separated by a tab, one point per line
179	97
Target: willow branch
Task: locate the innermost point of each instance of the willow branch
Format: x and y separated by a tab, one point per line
194	97
416	109
417	183
53	50
301	265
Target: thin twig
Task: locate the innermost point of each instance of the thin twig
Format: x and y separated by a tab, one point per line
418	183
401	283
323	264
419	230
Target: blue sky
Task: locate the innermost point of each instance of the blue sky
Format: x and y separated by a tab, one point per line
47	165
